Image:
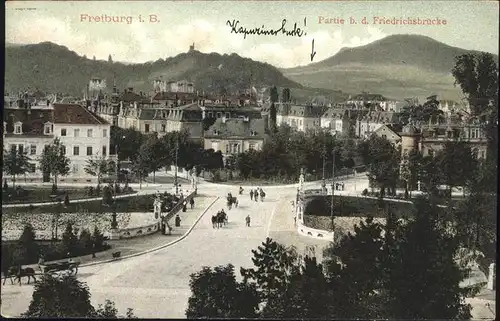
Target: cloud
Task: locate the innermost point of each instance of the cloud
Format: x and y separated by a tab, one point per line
142	42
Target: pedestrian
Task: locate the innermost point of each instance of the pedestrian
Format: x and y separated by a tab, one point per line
247	219
251	194
295	220
191	202
184	206
177	221
256	195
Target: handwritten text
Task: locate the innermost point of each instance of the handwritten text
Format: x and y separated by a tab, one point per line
295	32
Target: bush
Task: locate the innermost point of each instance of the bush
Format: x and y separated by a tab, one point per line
54	189
365	192
85	240
91	191
5	185
117	188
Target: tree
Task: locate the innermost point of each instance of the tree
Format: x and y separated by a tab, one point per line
85	240
15	163
274	97
286	96
66	297
152	155
127	141
66	200
477	76
216	294
69	240
107	196
457	163
60	297
93	58
27	243
274	265
97	238
424	282
306	296
98	166
382	161
54	160
354	271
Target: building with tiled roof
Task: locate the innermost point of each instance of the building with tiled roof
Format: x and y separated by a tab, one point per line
390	132
340	121
83	133
370	121
300	117
233	136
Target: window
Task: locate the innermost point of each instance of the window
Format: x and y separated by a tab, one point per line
146	128
104	133
89	132
63	131
13	148
384	136
89	150
251	146
33	150
215	146
483	154
219	115
18	129
76	150
21	149
430	152
163	127
63	149
47	129
76	133
104	151
228	115
31	168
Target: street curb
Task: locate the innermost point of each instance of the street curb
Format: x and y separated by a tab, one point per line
159	247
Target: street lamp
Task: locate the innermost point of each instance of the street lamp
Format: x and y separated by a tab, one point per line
333	188
117	159
176	160
323	184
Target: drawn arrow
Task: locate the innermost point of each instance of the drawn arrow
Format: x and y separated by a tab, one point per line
313	53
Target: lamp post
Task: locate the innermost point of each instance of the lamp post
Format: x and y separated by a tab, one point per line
323	183
333	189
176	160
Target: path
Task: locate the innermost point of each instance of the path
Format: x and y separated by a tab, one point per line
156	285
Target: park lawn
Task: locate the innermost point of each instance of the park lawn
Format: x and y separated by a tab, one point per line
43	194
136	203
355	207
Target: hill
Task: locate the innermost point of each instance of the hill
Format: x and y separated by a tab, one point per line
51	67
397	66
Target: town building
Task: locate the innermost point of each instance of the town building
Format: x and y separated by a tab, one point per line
430	138
83	134
367	123
233	136
390	132
299	117
340	121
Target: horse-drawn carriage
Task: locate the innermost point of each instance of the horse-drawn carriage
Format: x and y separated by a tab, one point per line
54	268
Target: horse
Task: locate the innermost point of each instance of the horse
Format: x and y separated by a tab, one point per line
29	272
214	221
12	271
230	201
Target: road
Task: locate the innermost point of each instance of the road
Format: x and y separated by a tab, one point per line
156	285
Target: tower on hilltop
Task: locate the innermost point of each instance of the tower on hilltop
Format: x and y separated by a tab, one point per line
191	48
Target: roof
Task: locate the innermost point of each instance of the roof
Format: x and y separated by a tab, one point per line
129	96
409	129
33	120
395	129
237	128
308	111
76	115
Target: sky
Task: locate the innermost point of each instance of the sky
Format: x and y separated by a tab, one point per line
174	25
